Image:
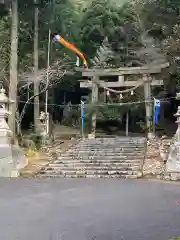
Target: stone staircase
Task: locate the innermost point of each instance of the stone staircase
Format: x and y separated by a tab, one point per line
112	157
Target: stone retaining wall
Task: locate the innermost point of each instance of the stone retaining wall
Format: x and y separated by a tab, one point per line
157	151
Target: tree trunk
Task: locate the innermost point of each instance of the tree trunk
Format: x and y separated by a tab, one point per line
36	63
13	66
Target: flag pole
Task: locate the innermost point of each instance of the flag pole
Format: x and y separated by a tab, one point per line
154	125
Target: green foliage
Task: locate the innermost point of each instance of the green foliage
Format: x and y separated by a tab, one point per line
37	139
160	19
110	113
87	25
99	20
141	32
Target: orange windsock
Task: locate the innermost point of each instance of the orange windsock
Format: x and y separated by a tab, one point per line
71	47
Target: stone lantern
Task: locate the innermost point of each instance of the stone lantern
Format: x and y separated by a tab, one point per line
12	158
177	115
4	100
44	127
5	132
44	123
173	162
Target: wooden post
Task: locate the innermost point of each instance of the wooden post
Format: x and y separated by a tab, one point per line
94	101
148	104
36	63
13	74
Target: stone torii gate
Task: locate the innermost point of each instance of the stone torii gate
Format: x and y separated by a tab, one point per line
147	80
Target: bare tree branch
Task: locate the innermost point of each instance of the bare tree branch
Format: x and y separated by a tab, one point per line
55	70
19	118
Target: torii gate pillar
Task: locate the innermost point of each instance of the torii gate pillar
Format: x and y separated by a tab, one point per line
148	104
95	93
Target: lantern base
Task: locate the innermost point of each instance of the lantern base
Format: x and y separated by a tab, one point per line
12	158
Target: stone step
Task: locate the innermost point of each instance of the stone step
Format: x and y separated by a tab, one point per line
113	139
120	149
108	144
100	148
109	159
90	172
113	146
101	164
100	161
102	153
116	176
110	140
115	150
113	157
108	148
92	168
117	143
98	151
101	157
87	161
106	136
96	144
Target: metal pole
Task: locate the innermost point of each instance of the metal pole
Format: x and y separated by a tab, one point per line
47	77
47	72
36	66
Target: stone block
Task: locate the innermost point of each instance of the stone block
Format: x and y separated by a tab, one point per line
12	159
173	162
